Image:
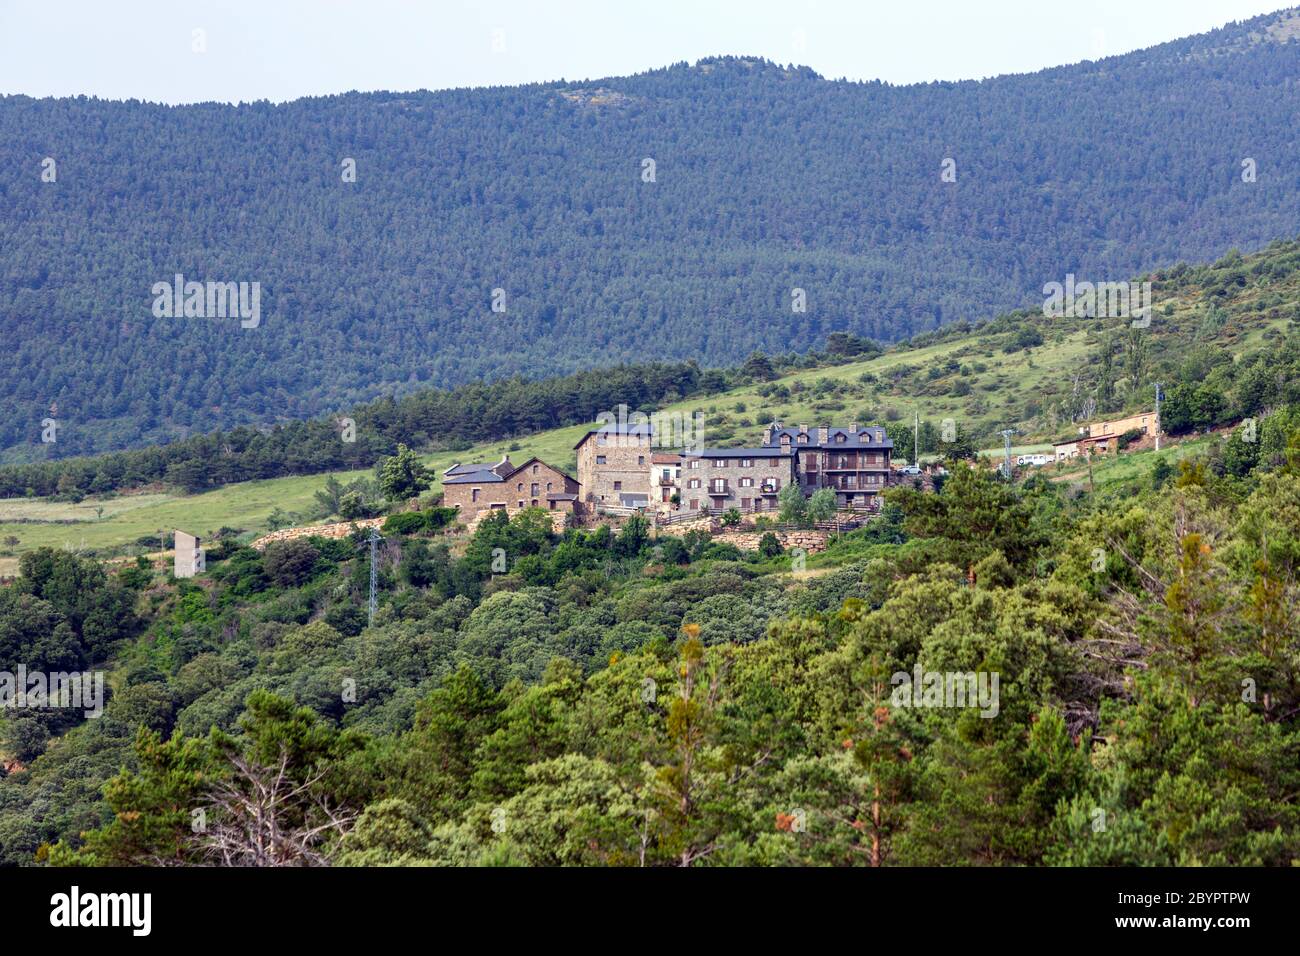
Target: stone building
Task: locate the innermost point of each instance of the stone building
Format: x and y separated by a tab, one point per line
746	478
188	557
534	484
614	466
853	461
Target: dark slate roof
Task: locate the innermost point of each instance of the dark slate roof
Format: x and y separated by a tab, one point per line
766	452
459	469
561	496
851	440
481	475
615	428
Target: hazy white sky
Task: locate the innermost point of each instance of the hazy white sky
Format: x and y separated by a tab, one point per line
283	49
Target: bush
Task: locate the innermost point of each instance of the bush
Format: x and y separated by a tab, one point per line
769	546
290	563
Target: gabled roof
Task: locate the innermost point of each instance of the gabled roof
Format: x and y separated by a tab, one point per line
872	436
511	474
481	474
459	474
615	428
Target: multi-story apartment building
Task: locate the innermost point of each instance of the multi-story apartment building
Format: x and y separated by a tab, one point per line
853	461
746	478
614	466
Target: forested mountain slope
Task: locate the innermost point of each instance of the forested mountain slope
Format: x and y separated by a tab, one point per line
766	179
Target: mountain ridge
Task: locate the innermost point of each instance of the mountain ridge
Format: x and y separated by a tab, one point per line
766	180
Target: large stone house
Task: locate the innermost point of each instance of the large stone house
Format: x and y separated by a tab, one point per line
534	484
746	478
853	461
614	466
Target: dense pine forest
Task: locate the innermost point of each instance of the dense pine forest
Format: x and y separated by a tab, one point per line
483	222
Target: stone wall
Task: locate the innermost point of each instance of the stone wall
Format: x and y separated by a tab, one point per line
340	529
811	541
559	519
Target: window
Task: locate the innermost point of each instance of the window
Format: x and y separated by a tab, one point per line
640	459
521	504
521	487
693	483
746	463
803	439
534	469
840	438
618	486
473	494
534	502
719	463
600	459
747	482
695	463
535	490
549	485
776	463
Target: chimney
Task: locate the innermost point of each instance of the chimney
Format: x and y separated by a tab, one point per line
767	434
823	434
803	429
853	429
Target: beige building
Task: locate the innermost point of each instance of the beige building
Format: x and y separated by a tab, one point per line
1102	438
665	477
1144	422
188	555
614	466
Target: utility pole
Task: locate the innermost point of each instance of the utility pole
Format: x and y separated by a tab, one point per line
1157	416
373	541
916	439
1006	445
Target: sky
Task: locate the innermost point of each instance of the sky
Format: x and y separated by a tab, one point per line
187	51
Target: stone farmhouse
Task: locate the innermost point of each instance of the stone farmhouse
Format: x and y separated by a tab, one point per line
614	466
534	484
